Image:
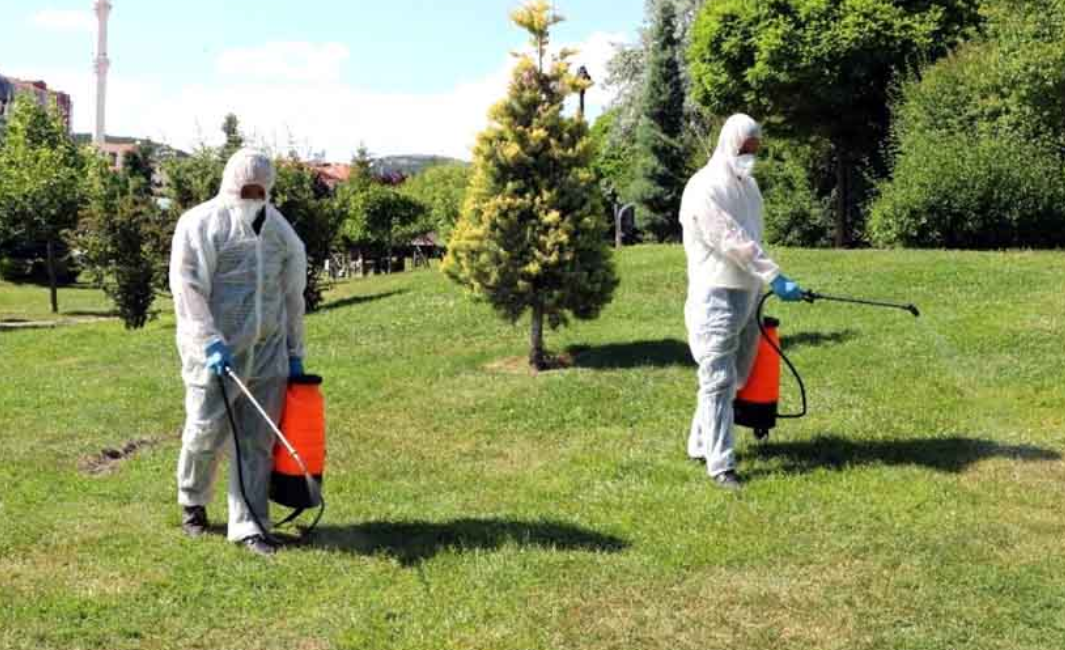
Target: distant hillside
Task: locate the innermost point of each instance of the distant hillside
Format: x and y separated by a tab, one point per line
411	165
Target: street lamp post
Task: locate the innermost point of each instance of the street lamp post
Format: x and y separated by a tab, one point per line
619	218
582	74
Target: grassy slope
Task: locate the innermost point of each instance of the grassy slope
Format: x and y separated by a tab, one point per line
919	506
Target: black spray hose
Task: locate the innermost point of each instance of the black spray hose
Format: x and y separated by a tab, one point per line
314	490
237	458
811	297
787	361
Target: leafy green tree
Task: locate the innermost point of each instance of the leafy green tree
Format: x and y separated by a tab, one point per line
123	237
978	140
820	68
614	161
627	74
234	139
362	165
139	167
614	164
797	188
530	237
661	160
193	180
308	206
442	190
40	181
379	217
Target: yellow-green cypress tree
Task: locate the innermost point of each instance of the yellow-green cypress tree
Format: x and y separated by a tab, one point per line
531	236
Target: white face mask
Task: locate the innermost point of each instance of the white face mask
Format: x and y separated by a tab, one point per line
745	164
248	209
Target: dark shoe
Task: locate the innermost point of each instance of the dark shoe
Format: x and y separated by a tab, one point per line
259	545
728	481
194	520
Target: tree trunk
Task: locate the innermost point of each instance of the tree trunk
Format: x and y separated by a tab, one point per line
617	225
537	361
51	277
842	198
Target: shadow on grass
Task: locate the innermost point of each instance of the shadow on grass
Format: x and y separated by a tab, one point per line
20	325
637	354
414	542
671	352
954	454
816	339
358	300
79	285
89	313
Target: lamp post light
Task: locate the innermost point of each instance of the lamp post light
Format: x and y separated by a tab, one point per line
582	74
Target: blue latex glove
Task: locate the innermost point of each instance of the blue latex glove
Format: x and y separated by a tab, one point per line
218	358
295	367
786	290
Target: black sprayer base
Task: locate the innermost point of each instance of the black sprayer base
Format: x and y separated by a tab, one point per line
753	415
291	491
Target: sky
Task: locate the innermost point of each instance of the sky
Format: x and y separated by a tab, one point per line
401	76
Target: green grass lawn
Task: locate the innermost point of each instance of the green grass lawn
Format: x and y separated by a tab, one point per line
920	505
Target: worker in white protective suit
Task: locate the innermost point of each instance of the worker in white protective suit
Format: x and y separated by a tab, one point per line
721	214
237	273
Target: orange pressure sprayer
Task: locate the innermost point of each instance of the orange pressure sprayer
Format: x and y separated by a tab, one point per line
303	425
299	450
757	403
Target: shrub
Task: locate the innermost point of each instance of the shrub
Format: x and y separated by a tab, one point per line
957	191
979	141
797	212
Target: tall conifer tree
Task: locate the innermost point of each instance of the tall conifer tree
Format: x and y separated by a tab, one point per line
662	166
530	237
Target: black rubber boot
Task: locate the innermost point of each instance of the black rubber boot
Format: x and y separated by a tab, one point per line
728	481
259	545
194	520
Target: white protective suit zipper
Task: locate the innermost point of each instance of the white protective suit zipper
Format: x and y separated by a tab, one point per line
259	285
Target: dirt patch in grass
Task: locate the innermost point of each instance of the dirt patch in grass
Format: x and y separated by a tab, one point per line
111	458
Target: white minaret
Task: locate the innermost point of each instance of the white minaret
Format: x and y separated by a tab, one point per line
103	10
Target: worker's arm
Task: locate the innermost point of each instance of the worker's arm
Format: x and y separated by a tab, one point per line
193	261
725	235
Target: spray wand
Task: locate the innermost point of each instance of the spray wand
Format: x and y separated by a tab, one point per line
812	297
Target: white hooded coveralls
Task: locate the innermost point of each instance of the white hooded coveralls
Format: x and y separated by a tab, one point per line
231	285
721	214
